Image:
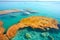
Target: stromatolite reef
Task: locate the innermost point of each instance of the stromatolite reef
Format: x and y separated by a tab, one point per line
33	22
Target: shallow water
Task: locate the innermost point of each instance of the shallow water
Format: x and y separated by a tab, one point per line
48	9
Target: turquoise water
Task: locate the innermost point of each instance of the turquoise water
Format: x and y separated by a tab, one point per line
48	9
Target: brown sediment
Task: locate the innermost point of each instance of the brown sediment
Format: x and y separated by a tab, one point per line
9	11
34	22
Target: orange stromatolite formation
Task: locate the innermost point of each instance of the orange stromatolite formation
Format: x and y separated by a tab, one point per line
34	22
40	22
2	35
13	29
1	23
1	28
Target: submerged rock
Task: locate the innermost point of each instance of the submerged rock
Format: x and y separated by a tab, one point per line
50	37
47	28
26	12
30	10
27	35
59	26
44	34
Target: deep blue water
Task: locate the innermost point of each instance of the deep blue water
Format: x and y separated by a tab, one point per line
48	9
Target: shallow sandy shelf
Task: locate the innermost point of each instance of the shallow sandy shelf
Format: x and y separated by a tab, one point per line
9	11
